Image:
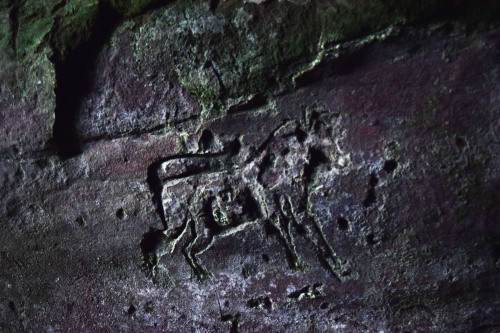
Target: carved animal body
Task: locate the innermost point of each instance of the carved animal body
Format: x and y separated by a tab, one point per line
221	197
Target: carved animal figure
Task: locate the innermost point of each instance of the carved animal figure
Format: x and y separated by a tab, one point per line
205	197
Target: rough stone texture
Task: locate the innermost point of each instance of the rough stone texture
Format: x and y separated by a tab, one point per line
275	166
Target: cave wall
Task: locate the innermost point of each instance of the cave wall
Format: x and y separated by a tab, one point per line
283	166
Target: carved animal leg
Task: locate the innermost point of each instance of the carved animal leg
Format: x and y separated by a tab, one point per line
192	249
316	236
327	256
283	225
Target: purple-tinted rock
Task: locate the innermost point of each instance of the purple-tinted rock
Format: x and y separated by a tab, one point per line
358	192
27	103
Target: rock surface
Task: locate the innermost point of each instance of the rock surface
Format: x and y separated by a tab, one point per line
280	166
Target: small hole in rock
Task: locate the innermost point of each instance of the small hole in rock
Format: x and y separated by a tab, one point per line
324	306
206	140
390	166
42	163
342	223
267	303
370	239
460	141
226	196
265	257
150	243
12	307
300	229
81	221
301	135
120	213
253	302
226	317
234	147
131	310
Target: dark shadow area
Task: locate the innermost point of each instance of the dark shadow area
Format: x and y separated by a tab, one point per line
74	80
344	65
255	102
390	166
150	243
343	224
156	187
370	194
154	5
316	158
14	23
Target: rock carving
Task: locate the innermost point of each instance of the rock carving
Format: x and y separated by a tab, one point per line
209	196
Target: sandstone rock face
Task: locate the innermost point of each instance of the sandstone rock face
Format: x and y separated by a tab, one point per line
275	166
